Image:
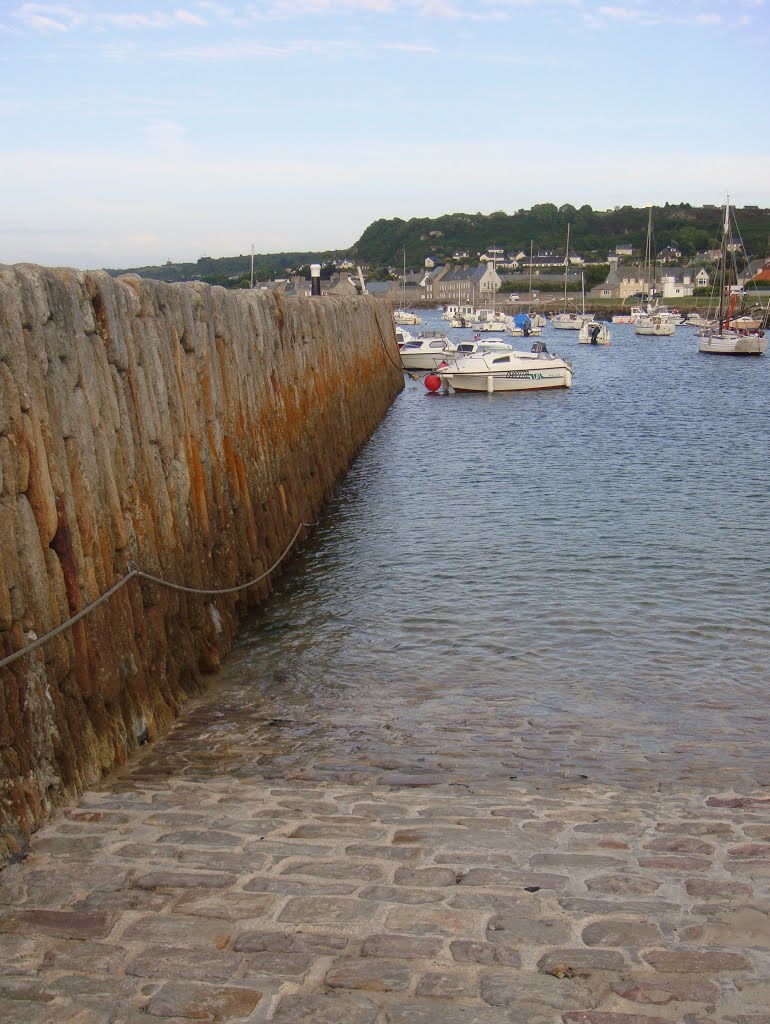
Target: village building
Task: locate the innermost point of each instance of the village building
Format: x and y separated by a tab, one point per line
462	285
669	282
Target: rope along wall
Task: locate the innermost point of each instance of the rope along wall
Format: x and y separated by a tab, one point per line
133	572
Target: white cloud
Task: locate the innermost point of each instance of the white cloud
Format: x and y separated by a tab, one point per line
134	19
245	50
188	18
410	47
48	17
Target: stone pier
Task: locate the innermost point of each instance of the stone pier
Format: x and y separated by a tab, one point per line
191	886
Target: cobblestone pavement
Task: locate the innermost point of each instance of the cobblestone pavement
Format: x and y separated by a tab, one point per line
189	886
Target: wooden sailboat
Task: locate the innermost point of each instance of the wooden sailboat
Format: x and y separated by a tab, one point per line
726	338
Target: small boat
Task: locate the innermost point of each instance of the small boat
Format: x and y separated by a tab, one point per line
455	312
522	326
622	318
658	324
426	350
696	320
569	321
746	323
594	333
566	320
489	320
492	372
404	316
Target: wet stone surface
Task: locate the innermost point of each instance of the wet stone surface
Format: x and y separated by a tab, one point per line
189	886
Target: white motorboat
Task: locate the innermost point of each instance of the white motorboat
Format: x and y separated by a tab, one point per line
455	312
426	350
492	372
469	348
403	336
622	318
594	333
489	320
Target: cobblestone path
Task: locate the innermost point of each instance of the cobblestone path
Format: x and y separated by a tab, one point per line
188	887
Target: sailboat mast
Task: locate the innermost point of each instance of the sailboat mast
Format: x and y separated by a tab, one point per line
723	264
648	259
530	273
566	269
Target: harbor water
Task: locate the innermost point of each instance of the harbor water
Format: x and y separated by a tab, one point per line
564	584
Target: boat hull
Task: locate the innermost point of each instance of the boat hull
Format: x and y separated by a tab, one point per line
491	374
495	383
423	360
732	345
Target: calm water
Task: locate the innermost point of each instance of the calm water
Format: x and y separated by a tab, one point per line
554	583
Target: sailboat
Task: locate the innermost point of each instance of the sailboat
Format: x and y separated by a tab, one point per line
727	338
567	321
402	316
655	319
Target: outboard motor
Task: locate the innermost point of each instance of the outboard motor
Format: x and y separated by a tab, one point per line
538	347
595	334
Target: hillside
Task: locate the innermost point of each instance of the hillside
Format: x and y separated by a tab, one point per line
593	233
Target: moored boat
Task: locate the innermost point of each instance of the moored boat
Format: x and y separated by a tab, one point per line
569	321
594	333
405	316
426	350
740	335
492	372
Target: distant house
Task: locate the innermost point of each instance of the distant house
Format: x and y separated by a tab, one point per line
383	288
623	282
430	263
680	281
670	252
624	249
340	284
757	272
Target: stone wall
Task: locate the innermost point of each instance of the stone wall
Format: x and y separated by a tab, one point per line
185	428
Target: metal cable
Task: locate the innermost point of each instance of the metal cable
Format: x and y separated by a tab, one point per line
70	622
131	572
223	590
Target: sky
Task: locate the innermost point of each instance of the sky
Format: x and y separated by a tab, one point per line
137	132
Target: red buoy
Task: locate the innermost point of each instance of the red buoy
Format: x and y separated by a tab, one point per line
432	382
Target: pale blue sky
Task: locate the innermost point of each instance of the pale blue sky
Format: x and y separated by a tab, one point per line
137	131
